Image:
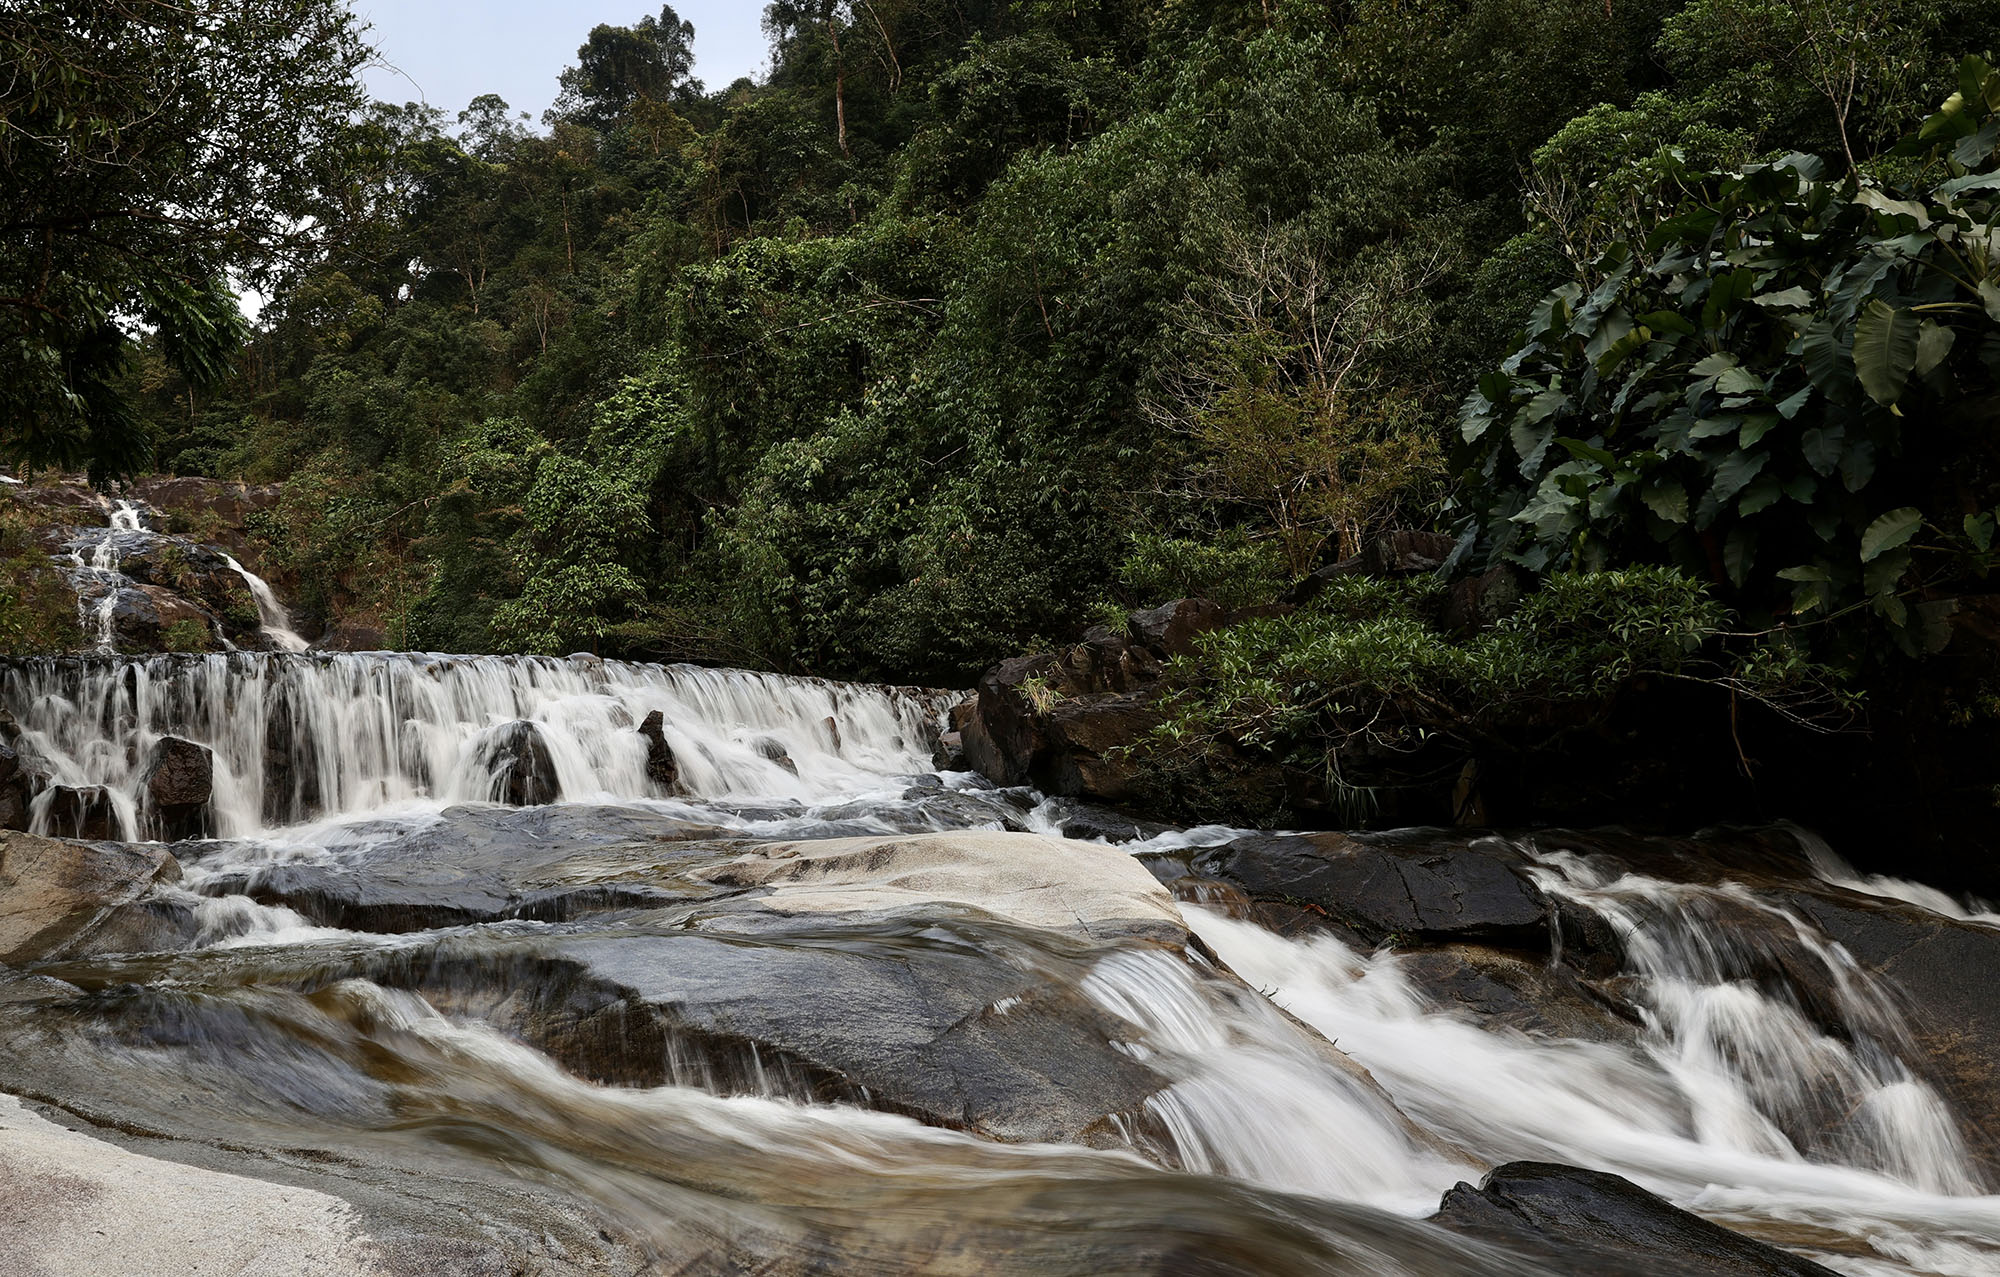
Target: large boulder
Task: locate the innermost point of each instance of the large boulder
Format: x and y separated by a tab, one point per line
62	899
1172	628
939	976
517	762
177	791
1572	1216
662	768
82	811
481	864
16	786
144	618
1941	973
1389	886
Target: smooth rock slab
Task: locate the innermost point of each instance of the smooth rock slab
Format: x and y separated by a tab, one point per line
70	1204
1389	886
57	897
1049	883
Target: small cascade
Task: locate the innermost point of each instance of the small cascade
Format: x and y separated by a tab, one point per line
298	737
1739	1094
274	619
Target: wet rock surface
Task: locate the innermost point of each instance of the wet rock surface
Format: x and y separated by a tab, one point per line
61	899
1381	886
177	791
1581	1216
517	759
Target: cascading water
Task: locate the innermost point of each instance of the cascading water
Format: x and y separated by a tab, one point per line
275	620
1328	1115
295	737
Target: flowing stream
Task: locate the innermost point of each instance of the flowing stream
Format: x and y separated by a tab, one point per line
1266	1149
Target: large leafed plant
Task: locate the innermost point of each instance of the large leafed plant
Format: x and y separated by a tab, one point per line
1787	387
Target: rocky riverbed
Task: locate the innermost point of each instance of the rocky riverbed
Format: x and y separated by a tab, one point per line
736	979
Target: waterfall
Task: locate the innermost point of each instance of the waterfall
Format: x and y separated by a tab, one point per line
272	617
297	736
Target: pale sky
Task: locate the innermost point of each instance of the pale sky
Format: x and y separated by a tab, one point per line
448	52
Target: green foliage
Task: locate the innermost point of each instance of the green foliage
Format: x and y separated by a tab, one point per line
37	610
1734	395
1229	568
188	635
1368	668
149	151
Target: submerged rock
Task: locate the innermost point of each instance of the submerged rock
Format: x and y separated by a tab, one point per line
85	812
517	759
1573	1215
662	768
177	789
61	899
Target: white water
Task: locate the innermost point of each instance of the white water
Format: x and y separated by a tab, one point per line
356	734
272	617
1696	1111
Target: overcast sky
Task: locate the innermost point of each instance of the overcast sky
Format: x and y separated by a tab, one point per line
447	52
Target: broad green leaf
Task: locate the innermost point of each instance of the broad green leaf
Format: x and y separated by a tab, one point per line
1759	496
1890	531
1885	350
1667	499
1794	298
1739	552
1585	452
1807	572
1873	198
1979	530
1755	427
1824	358
1821	447
1712	427
1989	295
1714	365
1739	381
1933	344
1790	406
1735	472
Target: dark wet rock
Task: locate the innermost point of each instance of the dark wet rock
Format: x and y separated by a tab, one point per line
353	636
932	975
662	768
1572	1215
1500	989
61	899
1311	586
177	789
16	786
1407	553
944	1032
517	759
773	750
1942	972
1172	628
1479	601
142	616
84	812
195	574
292	789
1385	886
949	755
1101	824
482	864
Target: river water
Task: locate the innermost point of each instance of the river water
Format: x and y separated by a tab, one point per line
1263	1153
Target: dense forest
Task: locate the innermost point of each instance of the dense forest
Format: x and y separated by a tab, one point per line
974	323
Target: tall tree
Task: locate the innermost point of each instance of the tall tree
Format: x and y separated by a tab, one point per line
151	151
619	67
